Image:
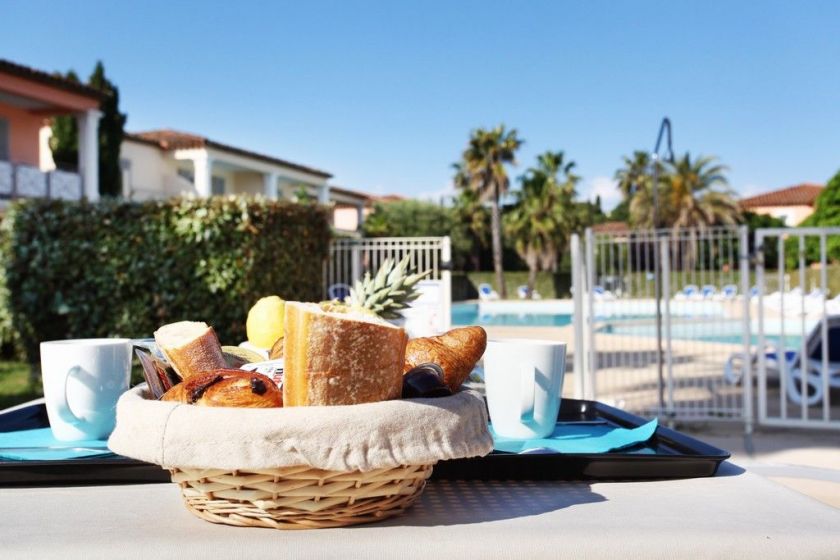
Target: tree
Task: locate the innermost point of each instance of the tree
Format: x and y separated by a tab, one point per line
407	218
692	194
826	213
302	196
545	213
64	141
482	170
635	175
470	227
111	132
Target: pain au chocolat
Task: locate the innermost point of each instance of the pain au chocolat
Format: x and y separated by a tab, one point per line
227	387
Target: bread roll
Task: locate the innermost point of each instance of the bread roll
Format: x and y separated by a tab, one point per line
334	358
227	387
191	348
456	352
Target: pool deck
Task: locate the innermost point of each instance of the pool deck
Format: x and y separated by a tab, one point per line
807	461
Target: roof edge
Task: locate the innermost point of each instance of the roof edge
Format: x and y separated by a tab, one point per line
48	79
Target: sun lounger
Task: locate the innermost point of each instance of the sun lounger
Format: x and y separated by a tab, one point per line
486	292
338	291
522	292
797	368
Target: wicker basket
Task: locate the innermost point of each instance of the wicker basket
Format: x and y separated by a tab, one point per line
299	497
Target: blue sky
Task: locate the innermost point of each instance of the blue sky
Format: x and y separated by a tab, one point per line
384	94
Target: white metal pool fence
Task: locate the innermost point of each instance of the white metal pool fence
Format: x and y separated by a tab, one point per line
798	369
350	259
724	327
669	367
733	317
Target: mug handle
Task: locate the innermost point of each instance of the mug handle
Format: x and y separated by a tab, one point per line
528	379
64	411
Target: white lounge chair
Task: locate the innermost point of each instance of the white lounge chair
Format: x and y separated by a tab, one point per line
691	291
338	291
486	292
602	294
793	365
728	292
708	291
522	292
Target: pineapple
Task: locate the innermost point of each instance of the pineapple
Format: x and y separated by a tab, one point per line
389	292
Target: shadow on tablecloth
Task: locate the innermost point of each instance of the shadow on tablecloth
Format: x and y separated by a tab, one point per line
446	502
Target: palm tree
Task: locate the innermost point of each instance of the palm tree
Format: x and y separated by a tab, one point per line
545	213
482	170
693	194
471	224
634	175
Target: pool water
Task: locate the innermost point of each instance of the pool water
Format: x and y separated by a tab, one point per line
468	314
703	329
722	331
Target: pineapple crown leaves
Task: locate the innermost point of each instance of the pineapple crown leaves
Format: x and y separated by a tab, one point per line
387	293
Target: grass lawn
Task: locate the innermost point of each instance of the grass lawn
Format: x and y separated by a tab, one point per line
15	386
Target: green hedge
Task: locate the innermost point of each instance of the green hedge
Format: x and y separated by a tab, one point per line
75	269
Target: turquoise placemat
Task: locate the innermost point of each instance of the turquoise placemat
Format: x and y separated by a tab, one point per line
579	438
40	445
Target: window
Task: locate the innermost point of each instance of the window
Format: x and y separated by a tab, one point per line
186	174
217	187
4	140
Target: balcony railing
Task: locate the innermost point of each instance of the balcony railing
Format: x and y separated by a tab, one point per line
24	181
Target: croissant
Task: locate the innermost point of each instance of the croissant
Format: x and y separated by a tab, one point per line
227	387
456	352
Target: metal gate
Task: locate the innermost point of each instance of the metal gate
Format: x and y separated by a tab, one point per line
350	259
797	348
659	343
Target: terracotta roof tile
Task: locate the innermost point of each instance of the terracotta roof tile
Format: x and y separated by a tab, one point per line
27	73
350	192
610	227
798	195
168	139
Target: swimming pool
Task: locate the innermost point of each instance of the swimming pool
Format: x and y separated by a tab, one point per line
527	315
686	324
722	331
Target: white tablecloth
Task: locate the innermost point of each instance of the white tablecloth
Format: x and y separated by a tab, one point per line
738	515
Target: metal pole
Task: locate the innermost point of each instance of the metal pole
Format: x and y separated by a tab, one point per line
657	283
578	316
746	328
657	295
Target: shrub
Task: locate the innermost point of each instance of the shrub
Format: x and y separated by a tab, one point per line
75	269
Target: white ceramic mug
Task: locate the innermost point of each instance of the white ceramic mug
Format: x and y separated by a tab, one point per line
83	379
523	380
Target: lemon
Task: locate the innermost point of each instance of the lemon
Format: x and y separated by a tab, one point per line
265	322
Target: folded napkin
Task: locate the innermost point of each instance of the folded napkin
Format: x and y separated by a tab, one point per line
361	437
579	438
40	445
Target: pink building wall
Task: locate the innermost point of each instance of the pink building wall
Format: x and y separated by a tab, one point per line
24	128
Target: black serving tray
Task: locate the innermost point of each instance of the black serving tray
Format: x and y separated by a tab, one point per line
112	469
669	454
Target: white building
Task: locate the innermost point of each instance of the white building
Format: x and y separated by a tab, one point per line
163	163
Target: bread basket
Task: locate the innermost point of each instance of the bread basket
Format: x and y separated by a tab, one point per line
301	467
300	497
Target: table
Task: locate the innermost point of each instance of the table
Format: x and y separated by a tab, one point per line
736	515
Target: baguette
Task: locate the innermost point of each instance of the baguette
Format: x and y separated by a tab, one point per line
338	358
191	347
